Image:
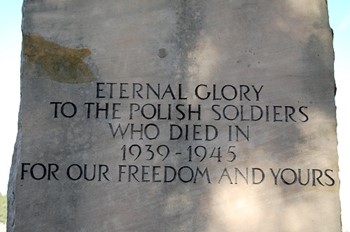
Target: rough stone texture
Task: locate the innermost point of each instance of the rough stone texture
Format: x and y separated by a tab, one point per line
268	65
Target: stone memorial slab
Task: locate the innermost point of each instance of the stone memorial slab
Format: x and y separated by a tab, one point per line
181	115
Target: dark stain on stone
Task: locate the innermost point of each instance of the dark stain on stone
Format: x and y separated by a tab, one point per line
162	53
190	17
62	64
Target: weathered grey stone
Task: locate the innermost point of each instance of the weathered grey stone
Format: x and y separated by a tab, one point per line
251	81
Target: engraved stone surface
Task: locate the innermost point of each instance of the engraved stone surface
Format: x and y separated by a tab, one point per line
176	115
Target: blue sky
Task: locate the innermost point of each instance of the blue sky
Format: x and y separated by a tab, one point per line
10	44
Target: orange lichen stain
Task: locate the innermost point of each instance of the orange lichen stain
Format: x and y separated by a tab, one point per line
62	64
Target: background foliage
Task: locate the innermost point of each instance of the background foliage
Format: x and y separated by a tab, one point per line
3	208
